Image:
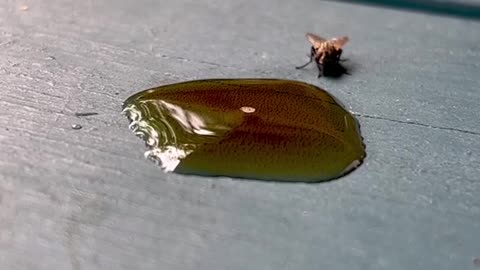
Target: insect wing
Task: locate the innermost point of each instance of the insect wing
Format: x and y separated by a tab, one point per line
339	42
315	40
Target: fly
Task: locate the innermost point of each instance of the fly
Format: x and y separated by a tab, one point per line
326	54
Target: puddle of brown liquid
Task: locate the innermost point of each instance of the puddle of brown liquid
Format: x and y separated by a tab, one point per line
264	129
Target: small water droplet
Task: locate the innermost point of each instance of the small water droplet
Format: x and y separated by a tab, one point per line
76	126
476	261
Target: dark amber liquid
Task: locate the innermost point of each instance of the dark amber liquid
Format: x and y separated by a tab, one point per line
263	129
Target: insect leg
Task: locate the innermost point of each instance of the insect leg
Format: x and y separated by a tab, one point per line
312	53
339	55
320	69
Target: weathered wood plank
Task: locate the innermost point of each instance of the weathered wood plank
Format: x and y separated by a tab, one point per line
86	199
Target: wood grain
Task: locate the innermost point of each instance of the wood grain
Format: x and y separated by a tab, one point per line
87	199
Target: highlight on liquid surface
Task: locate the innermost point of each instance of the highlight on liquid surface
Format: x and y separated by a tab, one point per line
264	129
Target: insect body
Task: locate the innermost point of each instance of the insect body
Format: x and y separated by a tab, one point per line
326	54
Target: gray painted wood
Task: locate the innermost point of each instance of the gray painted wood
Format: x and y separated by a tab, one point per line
87	199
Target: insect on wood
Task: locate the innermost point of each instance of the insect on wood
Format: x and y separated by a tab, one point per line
326	54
